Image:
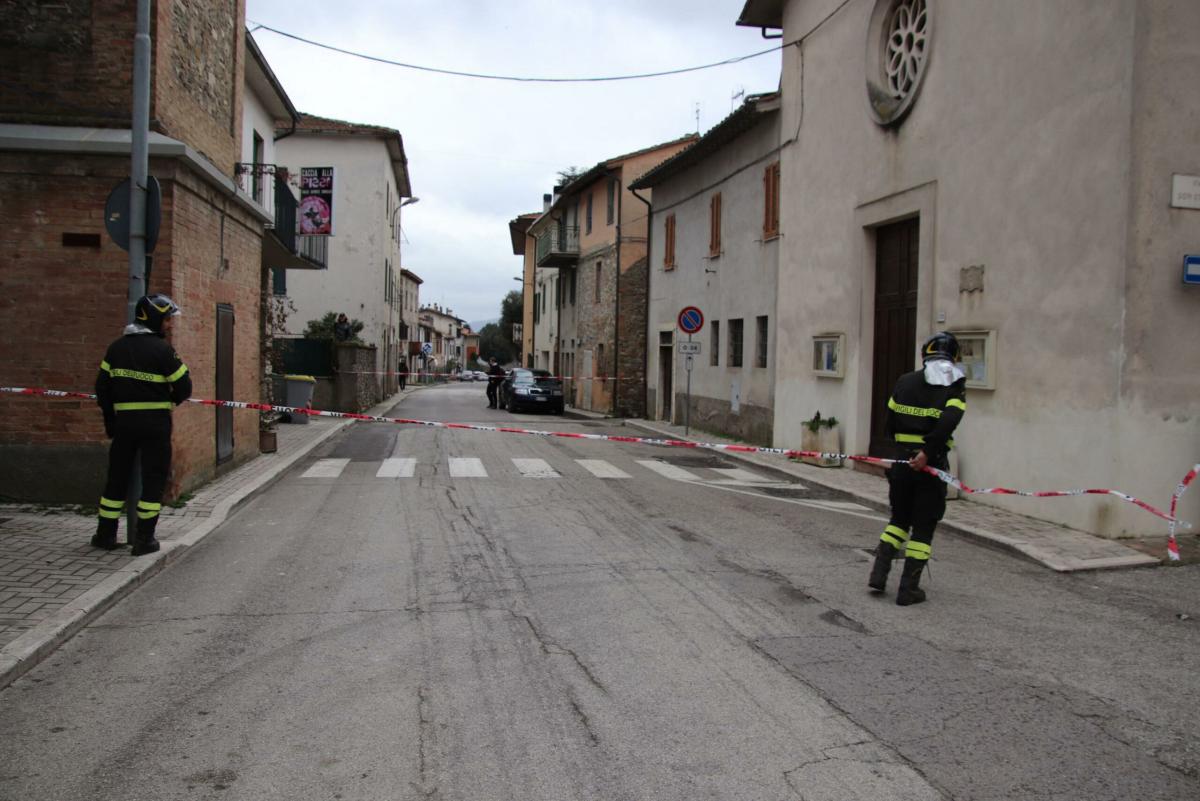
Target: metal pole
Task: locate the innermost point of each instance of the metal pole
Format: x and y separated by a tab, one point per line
687	407
139	172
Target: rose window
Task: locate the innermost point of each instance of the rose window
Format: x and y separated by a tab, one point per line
905	57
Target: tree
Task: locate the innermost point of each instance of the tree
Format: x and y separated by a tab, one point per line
493	342
569	174
323	328
512	309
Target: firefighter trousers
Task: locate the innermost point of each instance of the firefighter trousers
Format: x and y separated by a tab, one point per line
151	439
918	502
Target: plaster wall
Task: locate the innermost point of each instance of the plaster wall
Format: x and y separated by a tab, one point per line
362	247
1018	155
740	283
256	119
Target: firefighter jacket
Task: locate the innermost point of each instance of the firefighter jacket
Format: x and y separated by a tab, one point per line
141	378
923	416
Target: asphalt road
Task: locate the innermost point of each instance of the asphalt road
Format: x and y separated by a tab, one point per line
424	613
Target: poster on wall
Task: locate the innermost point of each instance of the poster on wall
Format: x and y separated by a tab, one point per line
316	201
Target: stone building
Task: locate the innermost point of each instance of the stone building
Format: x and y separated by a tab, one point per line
65	111
715	245
1016	173
591	282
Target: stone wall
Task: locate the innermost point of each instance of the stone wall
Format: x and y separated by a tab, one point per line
631	342
753	424
594	327
356	386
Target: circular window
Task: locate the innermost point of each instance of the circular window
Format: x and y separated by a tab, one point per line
898	44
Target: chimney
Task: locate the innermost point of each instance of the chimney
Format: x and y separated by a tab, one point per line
546	203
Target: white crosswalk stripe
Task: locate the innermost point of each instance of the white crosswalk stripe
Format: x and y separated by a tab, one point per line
326	468
397	467
601	469
535	468
667	470
461	467
738	474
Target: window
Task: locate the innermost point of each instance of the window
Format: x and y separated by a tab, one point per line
278	281
612	199
735	343
669	242
598	274
588	218
714	225
771	201
256	174
571	286
714	356
557	295
760	344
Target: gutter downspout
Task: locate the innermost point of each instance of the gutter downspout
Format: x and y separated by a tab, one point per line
617	306
649	344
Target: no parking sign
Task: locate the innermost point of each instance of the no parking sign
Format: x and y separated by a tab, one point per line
690	319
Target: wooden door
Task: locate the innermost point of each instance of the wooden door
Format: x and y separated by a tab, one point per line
224	382
896	251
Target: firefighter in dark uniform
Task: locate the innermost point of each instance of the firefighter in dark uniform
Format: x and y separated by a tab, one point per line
923	411
140	380
495	374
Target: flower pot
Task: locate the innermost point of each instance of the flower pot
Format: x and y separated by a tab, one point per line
267	441
824	439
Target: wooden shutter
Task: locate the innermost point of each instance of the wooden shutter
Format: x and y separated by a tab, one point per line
714	225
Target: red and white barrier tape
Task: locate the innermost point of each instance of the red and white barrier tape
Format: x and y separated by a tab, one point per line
953	481
455	375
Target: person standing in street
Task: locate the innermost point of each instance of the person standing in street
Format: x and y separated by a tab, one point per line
342	330
923	411
402	372
140	381
495	375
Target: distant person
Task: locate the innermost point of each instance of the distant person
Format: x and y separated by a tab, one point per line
923	411
140	381
341	329
495	375
402	371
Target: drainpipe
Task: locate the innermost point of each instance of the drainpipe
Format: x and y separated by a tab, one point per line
617	304
649	343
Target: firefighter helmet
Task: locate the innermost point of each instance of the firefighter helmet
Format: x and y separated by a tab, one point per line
942	345
151	310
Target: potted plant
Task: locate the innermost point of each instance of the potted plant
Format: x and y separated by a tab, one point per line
821	434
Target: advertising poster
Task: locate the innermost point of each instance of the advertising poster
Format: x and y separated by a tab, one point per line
316	201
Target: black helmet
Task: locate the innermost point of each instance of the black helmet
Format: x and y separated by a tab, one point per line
151	310
941	345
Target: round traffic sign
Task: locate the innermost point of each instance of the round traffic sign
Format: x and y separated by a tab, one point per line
427	348
691	319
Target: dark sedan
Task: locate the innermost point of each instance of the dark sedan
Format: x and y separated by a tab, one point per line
532	389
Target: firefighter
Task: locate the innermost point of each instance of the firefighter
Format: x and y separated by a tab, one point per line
140	380
923	411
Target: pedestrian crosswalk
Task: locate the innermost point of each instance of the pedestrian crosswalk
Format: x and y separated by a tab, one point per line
467	467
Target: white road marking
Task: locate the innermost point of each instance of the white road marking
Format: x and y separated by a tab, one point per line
326	468
854	507
667	470
467	468
397	467
535	468
601	469
737	474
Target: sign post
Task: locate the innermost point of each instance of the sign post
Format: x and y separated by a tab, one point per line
690	320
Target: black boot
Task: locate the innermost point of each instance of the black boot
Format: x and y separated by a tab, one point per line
106	535
144	542
885	552
910	593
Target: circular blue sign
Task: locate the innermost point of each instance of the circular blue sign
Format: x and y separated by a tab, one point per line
691	319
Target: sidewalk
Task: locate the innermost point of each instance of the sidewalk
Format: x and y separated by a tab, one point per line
1054	546
53	583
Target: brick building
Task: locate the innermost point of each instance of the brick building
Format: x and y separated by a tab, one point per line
65	110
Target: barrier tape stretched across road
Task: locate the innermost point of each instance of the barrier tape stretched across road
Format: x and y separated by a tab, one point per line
1175	523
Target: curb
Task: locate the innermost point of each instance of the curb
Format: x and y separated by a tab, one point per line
980	536
26	651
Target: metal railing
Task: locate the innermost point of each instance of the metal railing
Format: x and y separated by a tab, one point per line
314	248
558	241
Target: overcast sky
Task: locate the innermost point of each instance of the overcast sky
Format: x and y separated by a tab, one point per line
480	152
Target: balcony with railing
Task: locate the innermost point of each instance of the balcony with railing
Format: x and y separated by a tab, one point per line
558	246
267	185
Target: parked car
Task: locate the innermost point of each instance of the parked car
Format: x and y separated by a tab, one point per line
531	389
480	375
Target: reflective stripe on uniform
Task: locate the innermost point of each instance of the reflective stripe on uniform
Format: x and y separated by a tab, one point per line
105	366
111	509
894	536
913	411
147	510
178	374
917	550
142	406
957	404
137	375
